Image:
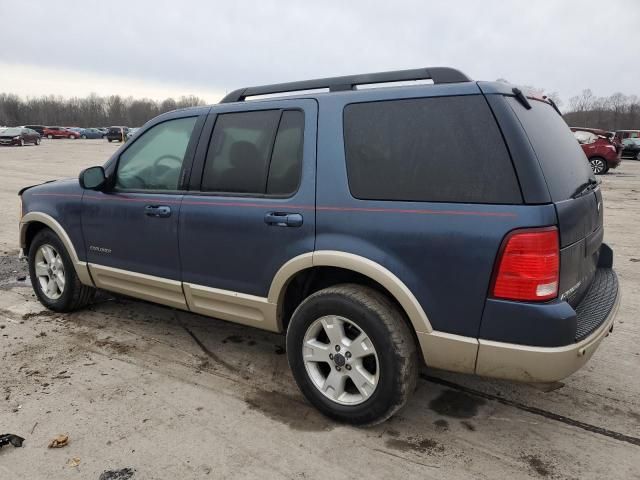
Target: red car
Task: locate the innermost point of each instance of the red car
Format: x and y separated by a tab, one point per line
602	152
60	132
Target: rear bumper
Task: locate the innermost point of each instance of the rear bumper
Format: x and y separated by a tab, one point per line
548	364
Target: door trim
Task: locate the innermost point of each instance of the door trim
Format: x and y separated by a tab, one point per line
138	285
235	307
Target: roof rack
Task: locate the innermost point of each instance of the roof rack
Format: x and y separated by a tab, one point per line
340	84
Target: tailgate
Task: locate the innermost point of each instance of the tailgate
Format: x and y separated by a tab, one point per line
566	171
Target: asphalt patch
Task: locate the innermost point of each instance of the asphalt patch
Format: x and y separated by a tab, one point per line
122	474
453	403
288	410
538	465
13	272
415	444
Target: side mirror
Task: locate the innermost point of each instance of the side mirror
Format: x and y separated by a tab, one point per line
92	178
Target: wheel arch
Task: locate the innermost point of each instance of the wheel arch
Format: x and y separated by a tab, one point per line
33	222
302	268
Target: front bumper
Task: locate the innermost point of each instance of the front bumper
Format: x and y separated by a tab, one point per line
549	364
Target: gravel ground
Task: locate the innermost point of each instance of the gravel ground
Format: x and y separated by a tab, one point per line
147	392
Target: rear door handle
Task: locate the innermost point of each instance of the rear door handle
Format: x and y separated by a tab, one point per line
162	211
281	219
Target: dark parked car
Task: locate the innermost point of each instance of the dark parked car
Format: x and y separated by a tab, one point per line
358	222
600	150
19	136
631	148
60	132
37	128
117	134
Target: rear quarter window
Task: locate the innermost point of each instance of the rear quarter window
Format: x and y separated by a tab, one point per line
564	165
442	149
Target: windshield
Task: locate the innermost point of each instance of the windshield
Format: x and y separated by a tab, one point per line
12	131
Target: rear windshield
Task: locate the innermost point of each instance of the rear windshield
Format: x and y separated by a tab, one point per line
442	149
564	164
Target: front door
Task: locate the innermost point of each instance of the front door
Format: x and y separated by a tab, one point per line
251	207
131	230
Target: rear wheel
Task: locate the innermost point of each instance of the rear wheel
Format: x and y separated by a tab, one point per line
37	141
638	156
53	276
352	354
598	165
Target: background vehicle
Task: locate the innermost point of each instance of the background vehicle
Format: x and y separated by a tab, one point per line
37	128
131	133
371	232
117	134
622	134
91	133
19	136
60	132
631	148
601	152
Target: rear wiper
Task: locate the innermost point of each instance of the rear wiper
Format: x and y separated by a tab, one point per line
586	188
553	104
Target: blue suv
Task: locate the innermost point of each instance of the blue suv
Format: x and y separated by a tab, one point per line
455	224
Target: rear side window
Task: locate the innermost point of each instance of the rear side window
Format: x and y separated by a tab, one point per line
255	153
564	164
443	149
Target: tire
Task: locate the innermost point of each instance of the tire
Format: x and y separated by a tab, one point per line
599	165
388	368
638	156
84	137
73	295
109	140
37	141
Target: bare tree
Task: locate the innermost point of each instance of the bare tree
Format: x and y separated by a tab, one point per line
87	111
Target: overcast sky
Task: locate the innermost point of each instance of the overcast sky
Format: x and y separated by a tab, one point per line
156	48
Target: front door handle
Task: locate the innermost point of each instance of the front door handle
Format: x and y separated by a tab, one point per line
281	219
162	211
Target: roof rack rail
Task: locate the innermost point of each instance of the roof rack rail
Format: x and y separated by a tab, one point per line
339	84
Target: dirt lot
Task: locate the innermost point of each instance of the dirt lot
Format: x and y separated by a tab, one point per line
168	394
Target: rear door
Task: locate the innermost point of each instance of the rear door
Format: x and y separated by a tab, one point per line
251	207
567	172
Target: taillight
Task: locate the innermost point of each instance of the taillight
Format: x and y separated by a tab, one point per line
528	265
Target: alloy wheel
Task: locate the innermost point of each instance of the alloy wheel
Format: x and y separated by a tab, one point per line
597	165
49	269
340	359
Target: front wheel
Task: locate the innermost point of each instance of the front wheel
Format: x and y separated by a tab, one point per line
352	354
53	276
37	141
598	165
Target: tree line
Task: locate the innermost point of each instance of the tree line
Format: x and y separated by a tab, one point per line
615	112
91	111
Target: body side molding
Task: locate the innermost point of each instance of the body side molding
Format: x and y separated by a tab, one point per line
80	267
146	287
